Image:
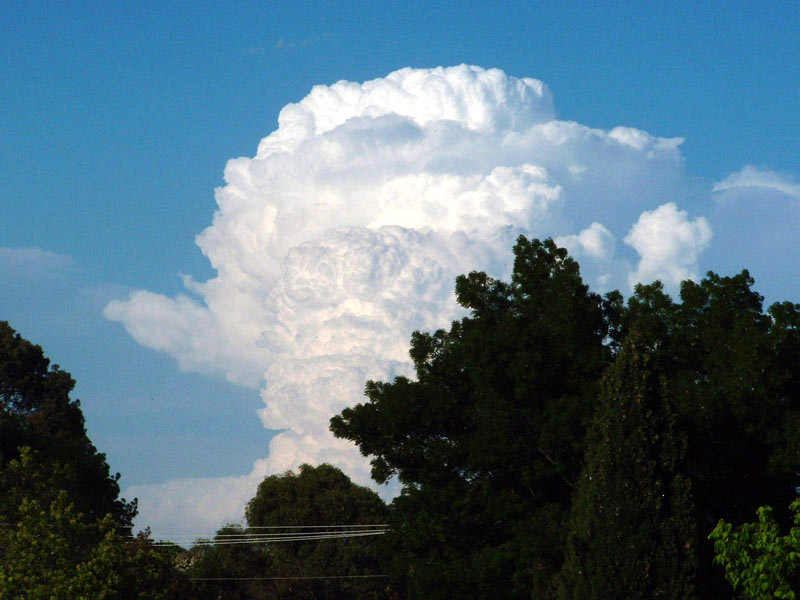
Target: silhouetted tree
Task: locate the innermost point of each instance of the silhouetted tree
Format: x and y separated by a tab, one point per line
733	372
63	530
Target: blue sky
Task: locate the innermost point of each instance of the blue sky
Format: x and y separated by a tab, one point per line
117	121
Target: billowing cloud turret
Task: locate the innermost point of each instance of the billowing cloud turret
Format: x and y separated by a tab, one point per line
346	230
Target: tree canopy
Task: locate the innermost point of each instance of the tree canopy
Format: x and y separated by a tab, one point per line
555	443
733	371
51	550
488	441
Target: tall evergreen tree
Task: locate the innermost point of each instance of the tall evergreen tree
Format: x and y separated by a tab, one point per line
632	531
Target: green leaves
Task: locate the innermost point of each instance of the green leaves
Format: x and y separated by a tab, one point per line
61	524
758	561
50	550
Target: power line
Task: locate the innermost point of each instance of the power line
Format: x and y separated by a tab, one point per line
279	534
262	530
249	527
257	536
265	538
287	536
202	543
305	531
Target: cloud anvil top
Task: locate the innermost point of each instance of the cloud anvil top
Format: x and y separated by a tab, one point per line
346	230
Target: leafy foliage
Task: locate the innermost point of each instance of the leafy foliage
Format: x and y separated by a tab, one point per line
734	374
693	415
229	561
489	441
63	532
759	562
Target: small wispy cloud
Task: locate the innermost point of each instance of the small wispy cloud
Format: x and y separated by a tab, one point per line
259	50
284	43
754	177
34	262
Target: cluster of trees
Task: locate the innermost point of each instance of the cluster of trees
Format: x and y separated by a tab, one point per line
64	533
555	443
560	444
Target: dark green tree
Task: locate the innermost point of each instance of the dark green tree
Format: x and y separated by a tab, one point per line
488	441
632	530
321	496
63	530
37	412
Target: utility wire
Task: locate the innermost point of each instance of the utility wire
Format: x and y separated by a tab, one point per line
278	537
178	530
252	542
312	526
264	530
244	532
265	538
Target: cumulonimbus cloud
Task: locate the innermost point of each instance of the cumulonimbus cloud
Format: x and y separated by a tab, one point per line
346	230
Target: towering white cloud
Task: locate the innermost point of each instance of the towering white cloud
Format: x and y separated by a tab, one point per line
346	230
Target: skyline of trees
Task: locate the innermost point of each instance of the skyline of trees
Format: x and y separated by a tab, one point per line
554	443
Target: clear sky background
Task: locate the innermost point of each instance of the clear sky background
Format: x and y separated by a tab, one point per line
117	120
